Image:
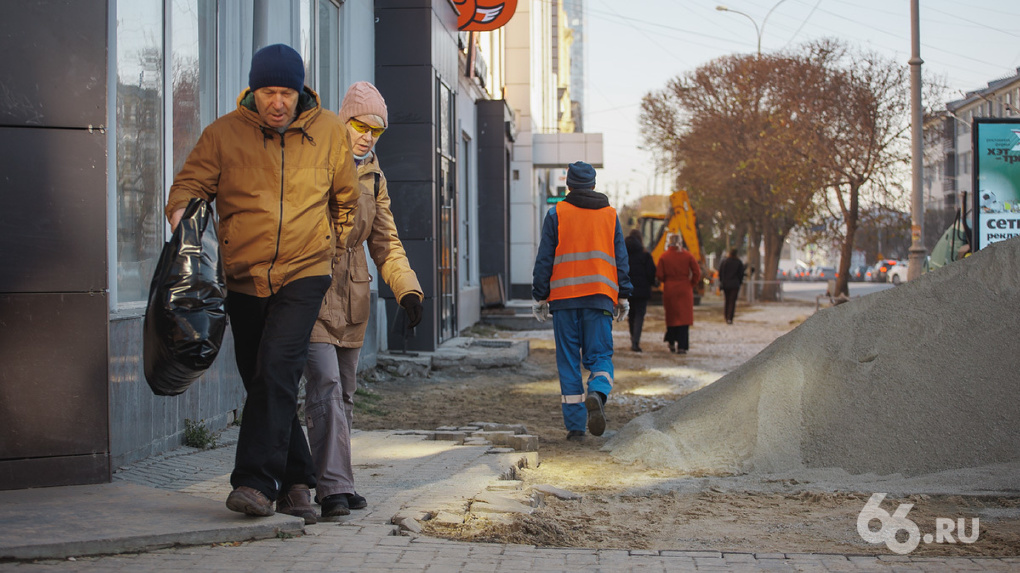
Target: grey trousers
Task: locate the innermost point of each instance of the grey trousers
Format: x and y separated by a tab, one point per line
331	380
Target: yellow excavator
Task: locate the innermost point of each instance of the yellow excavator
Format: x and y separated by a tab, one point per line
679	219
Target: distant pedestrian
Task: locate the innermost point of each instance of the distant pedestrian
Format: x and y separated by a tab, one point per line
679	274
731	276
642	276
580	276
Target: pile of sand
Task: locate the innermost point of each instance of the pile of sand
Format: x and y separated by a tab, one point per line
912	380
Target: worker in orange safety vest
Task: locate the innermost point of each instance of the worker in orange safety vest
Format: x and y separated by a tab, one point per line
581	277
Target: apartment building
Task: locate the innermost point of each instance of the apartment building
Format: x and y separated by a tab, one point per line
949	157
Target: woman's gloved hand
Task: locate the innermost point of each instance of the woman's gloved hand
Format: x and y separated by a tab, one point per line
412	306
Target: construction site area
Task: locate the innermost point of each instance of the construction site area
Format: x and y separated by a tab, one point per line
773	433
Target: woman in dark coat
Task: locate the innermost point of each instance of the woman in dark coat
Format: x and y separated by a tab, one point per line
679	273
731	276
642	276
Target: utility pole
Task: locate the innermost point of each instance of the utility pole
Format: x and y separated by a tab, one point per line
917	250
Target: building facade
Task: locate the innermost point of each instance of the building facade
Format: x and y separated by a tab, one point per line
435	80
949	156
100	120
536	92
576	21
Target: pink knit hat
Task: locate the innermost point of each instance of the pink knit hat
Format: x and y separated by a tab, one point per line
363	99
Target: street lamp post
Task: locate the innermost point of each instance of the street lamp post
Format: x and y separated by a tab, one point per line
758	31
917	251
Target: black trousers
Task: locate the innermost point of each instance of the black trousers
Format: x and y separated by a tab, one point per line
271	347
731	302
636	320
679	335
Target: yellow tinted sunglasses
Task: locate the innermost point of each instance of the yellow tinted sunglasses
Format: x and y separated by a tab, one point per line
362	127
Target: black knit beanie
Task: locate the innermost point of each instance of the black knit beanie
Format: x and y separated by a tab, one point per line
277	65
580	175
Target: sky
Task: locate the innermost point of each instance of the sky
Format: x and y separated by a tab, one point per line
635	47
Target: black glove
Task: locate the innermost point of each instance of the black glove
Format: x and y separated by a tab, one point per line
412	306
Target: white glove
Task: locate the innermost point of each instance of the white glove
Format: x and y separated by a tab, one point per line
540	310
621	310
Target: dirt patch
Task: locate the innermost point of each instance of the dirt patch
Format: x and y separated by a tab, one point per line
805	522
631	506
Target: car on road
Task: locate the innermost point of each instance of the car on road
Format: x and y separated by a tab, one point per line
824	274
881	270
797	273
897	273
857	273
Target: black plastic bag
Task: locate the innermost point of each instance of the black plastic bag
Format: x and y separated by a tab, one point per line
185	318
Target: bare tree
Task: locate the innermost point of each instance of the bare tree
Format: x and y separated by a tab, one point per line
860	111
733	133
771	142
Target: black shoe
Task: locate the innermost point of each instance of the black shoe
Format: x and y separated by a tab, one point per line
575	435
635	348
334	505
355	501
596	413
681	351
672	347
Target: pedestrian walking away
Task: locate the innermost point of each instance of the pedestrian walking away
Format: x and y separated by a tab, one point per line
642	277
679	274
731	276
280	173
581	277
339	332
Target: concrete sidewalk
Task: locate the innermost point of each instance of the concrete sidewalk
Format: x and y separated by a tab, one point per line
178	498
167	513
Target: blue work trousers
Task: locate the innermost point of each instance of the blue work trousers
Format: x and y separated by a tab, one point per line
584	336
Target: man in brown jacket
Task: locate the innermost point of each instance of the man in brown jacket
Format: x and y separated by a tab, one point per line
280	171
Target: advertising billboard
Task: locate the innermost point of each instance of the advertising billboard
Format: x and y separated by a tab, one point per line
996	180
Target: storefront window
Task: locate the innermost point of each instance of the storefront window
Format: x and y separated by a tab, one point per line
329	55
307	38
140	220
193	65
319	46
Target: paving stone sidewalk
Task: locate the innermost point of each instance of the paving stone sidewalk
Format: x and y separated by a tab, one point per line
405	473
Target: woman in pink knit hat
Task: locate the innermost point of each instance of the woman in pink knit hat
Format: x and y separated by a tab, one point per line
339	331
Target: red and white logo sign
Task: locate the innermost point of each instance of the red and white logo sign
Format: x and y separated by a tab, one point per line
484	15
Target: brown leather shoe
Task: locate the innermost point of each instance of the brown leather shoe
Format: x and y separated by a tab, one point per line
249	501
298	502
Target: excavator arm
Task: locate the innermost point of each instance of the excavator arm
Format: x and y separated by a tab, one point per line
678	220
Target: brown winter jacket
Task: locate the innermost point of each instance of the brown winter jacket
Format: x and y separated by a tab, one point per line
279	199
344	315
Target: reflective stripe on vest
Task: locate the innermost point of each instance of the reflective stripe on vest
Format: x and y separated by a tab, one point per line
585	259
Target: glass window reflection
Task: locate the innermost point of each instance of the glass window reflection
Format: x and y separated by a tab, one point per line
193	69
140	219
329	55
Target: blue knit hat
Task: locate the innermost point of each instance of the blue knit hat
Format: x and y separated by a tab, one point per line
279	66
580	175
